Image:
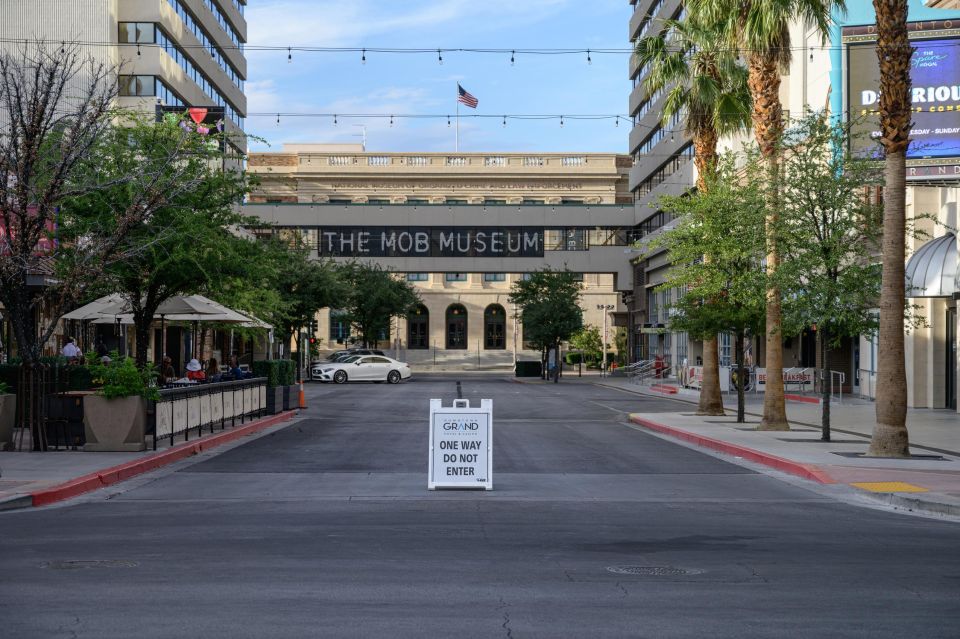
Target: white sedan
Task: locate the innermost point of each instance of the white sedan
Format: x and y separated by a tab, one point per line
362	368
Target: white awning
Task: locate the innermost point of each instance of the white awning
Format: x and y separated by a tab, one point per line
932	270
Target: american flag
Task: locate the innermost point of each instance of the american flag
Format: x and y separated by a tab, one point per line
466	98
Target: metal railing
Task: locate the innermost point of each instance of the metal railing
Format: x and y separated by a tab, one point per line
179	410
841	378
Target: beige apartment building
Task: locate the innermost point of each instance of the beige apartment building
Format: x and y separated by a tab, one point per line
172	53
318	190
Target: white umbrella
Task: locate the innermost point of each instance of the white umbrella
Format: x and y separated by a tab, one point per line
97	309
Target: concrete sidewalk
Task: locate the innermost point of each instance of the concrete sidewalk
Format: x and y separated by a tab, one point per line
928	483
37	479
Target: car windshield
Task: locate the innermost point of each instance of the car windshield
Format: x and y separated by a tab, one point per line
349	360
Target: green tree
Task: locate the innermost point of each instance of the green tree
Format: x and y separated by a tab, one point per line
829	234
376	297
894	52
761	30
187	242
726	293
588	341
549	304
706	84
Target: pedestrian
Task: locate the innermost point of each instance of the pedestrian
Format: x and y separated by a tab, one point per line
70	351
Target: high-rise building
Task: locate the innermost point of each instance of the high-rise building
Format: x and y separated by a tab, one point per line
176	53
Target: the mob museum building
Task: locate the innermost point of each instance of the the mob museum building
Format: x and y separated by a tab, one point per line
460	227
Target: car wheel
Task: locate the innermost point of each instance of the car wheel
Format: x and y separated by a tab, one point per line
393	377
340	377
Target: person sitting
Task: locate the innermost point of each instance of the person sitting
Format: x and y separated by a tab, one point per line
213	370
70	351
195	371
167	373
235	370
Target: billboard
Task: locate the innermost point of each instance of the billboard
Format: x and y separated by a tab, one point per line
935	76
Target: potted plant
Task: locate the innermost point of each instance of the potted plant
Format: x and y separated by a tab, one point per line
115	417
288	380
8	414
271	370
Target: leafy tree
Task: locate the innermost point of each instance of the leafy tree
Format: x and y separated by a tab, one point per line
726	293
588	341
894	52
761	29
376	296
829	234
187	242
549	303
706	84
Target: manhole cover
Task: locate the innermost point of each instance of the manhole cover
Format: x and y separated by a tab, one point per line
654	571
80	564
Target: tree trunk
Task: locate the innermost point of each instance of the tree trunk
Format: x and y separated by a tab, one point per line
711	401
894	53
767	117
741	380
825	378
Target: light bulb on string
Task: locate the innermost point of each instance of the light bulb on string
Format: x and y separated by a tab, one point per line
138	48
504	121
289	55
448	121
363	57
561	121
63	47
439	57
213	52
278	119
616	121
391	120
513	58
589	59
334	119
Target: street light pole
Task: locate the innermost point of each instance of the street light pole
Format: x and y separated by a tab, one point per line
604	308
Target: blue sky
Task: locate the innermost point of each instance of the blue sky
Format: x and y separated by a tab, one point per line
407	83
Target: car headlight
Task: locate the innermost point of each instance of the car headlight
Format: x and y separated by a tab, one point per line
327	370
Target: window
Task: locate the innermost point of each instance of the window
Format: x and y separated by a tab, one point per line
494	277
456	277
527	201
378	200
339	327
137	85
726	349
454	200
494	201
137	32
417	200
418	277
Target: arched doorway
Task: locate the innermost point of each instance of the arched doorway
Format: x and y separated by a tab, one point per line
494	328
418	328
456	327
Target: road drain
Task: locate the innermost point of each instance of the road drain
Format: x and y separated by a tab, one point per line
654	571
81	564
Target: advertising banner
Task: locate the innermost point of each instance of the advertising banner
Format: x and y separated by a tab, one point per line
935	74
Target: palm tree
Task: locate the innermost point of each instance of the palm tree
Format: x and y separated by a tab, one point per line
707	86
761	29
894	52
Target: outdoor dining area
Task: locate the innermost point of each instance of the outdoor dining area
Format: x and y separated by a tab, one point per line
200	377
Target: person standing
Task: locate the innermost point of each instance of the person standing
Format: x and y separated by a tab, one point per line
70	351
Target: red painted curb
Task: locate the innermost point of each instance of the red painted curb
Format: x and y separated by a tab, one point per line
786	465
665	389
121	472
802	398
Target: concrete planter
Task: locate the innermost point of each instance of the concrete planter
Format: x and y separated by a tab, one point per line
274	402
116	425
8	414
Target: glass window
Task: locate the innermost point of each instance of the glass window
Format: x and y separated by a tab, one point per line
418	277
137	32
137	85
339	327
456	277
726	349
494	277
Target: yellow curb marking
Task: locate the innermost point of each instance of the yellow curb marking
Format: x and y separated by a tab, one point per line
889	487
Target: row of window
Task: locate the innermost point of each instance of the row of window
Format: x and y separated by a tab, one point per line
224	23
456	277
668	168
647	104
658	134
423	200
148	86
208	43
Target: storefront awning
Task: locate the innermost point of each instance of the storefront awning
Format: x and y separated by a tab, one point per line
932	270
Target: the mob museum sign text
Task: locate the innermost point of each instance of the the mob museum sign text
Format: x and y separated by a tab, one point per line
431	242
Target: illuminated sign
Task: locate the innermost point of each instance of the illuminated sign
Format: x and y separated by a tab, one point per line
935	76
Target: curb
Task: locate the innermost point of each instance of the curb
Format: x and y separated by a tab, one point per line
913	504
114	474
778	463
802	398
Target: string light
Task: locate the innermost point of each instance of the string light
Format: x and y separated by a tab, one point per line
334	119
363	58
138	49
504	121
448	121
439	57
278	119
289	55
589	59
391	120
561	121
513	58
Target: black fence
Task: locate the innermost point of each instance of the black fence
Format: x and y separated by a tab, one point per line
213	405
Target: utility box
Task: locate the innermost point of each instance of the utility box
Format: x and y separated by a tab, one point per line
461	445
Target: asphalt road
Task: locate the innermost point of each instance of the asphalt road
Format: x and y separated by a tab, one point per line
325	529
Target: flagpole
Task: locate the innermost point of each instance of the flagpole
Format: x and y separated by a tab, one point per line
457	143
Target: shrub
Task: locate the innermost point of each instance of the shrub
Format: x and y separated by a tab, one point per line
270	369
288	372
4	389
122	378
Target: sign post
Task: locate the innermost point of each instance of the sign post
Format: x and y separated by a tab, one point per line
461	445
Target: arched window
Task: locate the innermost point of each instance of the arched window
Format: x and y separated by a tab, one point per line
456	327
494	328
418	328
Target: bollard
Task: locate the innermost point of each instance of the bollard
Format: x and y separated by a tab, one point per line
303	399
